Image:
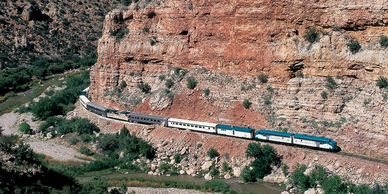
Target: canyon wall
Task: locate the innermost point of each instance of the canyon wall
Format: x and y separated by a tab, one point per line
225	45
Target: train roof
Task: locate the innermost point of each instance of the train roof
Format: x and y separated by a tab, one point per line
96	106
276	133
83	98
86	90
235	128
313	138
192	122
148	116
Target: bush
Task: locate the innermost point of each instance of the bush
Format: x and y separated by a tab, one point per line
263	78
73	141
123	84
191	82
324	95
383	41
311	35
247	104
178	158
144	87
146	30
206	91
354	46
299	74
264	157
126	2
25	128
253	150
212	153
248	175
119	33
330	83
382	82
169	83
226	168
284	168
162	77
214	172
217	186
86	151
299	179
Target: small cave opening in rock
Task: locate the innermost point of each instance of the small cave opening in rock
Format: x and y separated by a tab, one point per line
184	32
151	14
296	69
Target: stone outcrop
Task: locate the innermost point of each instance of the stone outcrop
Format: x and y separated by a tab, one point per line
225	46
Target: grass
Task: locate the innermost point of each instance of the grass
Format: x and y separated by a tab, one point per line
35	91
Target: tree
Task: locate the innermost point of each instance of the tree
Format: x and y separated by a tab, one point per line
324	95
248	175
330	83
299	179
191	82
212	153
254	150
25	128
247	104
334	184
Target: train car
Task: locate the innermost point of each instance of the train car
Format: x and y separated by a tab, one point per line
192	125
235	131
146	119
314	141
100	110
275	136
114	114
84	101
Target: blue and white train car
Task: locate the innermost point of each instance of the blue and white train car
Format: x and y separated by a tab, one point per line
276	136
100	110
314	141
84	101
146	119
235	131
192	125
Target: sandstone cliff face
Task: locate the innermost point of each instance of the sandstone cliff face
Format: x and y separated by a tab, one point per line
225	45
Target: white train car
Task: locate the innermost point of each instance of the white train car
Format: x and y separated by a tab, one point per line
192	125
276	136
235	131
84	101
314	141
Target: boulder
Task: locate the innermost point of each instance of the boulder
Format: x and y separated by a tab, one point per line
236	171
310	191
227	176
206	165
208	177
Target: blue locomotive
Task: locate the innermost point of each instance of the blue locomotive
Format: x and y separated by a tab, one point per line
214	128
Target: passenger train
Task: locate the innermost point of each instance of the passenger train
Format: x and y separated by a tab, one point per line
213	128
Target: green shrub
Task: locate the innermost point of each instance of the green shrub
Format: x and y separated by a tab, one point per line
330	83
146	30
178	158
334	184
311	35
73	141
263	78
206	91
86	151
299	179
144	87
247	104
299	74
191	82
86	138
267	100
318	175
214	172
383	41
226	168
354	46
253	150
169	83
324	95
217	186
179	71
248	175
126	2
119	33
382	82
123	85
25	128
212	153
284	168
162	77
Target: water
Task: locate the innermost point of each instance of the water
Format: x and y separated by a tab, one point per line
259	188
